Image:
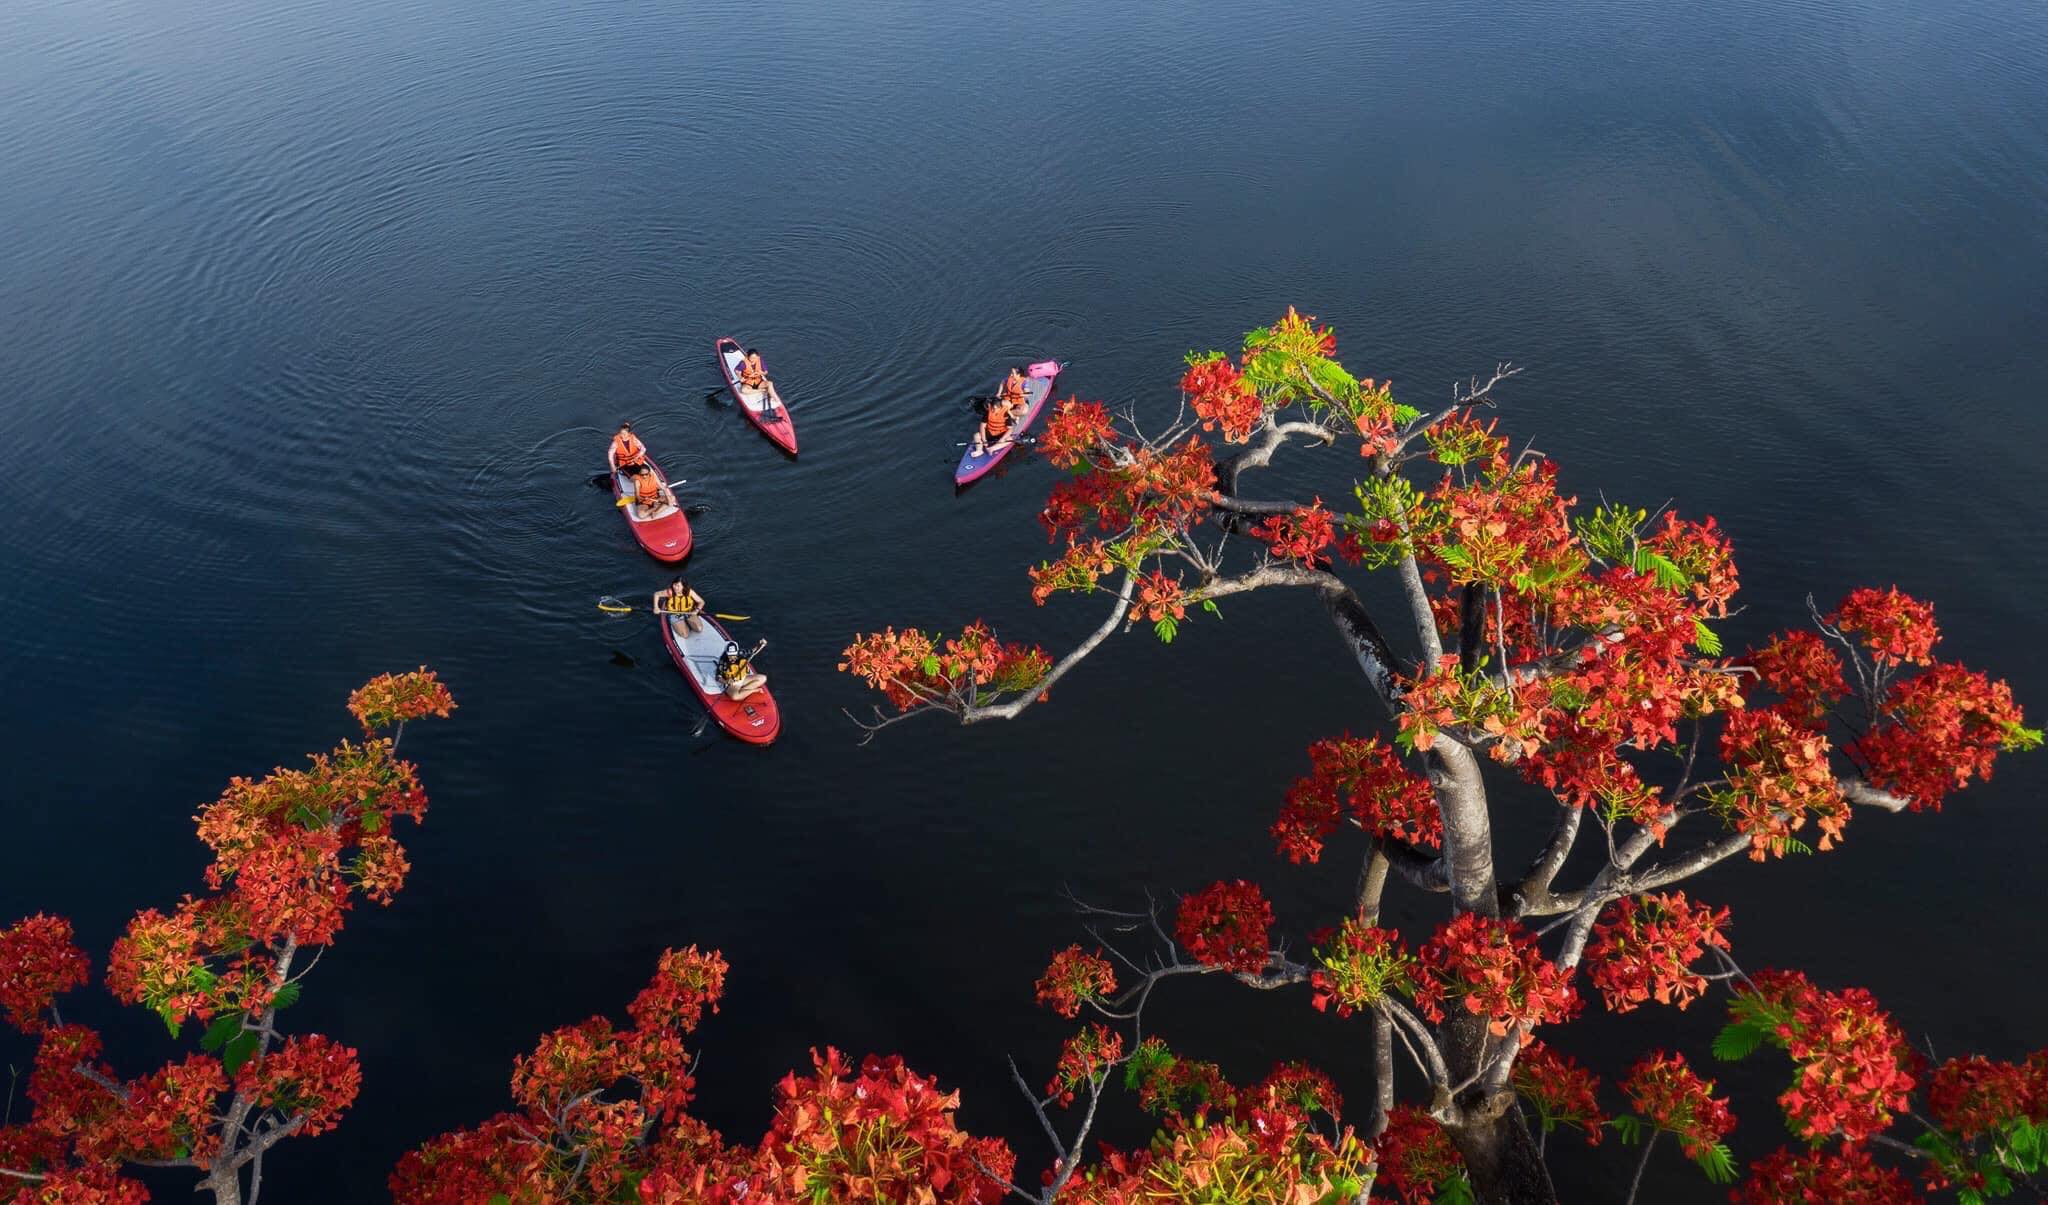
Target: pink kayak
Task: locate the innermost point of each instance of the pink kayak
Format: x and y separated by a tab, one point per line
1038	382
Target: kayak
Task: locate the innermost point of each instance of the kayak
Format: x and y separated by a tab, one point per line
753	719
666	534
765	410
1038	382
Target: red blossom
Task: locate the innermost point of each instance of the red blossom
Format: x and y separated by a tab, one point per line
1667	1093
912	669
1220	396
1358	967
1492	968
1801	667
1844	1176
1561	1091
1225	925
1973	1096
1416	1157
1075	430
1647	947
1084	1056
1365	779
1893	626
1074	977
1778	775
1938	730
1301	535
39	961
309	1076
1159	597
1853	1070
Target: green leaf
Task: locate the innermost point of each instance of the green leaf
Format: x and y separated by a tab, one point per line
1738	1040
1717	1163
2019	739
500	1199
1405	414
1705	639
1166	629
238	1051
1630	1127
1457	556
930	664
218	1033
287	996
1209	605
1669	576
1457	1191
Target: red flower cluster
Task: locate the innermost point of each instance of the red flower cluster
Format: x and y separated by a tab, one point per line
1854	1069
1671	1097
1894	627
38	962
1225	925
310	1076
1221	396
1300	1088
1937	731
1492	969
392	699
1463	439
1845	1176
1363	778
1300	536
1076	430
1085	1055
1074	977
1561	1091
1973	1096
1159	597
1778	774
1648	947
1801	667
1360	966
912	669
1416	1157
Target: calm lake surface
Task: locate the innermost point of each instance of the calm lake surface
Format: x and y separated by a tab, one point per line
314	318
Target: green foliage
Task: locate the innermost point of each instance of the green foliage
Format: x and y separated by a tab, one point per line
1609	532
1717	1162
1405	414
2019	739
1166	629
238	1051
217	1034
1738	1040
1209	605
1706	639
2018	1147
1456	1191
1669	576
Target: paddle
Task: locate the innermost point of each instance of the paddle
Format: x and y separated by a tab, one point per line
1001	443
612	606
749	655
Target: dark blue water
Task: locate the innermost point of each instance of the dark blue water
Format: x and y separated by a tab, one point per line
313	316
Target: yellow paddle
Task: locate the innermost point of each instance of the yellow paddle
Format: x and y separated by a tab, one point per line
612	606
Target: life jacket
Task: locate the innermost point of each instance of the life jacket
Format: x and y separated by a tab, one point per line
678	604
627	449
731	669
997	421
647	489
750	373
1013	390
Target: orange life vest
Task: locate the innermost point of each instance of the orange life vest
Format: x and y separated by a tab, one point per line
751	374
732	669
628	450
1013	389
647	488
678	604
997	424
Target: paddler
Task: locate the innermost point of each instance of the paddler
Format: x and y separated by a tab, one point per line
752	375
650	493
677	598
627	450
1005	410
736	674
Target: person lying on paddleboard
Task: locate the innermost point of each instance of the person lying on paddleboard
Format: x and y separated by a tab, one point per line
650	494
677	598
736	674
627	450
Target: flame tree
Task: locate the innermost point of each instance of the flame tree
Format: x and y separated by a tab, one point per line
1567	646
292	853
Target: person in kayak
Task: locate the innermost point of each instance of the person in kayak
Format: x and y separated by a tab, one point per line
677	598
650	493
1012	392
627	450
754	379
737	675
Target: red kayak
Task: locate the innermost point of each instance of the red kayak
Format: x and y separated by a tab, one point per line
665	534
753	719
765	410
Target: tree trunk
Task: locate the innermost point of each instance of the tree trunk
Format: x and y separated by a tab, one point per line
1500	1154
225	1184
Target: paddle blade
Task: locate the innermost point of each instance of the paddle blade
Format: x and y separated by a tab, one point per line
622	660
613	606
732	618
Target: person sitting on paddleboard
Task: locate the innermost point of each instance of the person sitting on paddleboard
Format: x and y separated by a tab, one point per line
1012	392
736	674
649	493
677	598
1003	413
752	375
627	450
